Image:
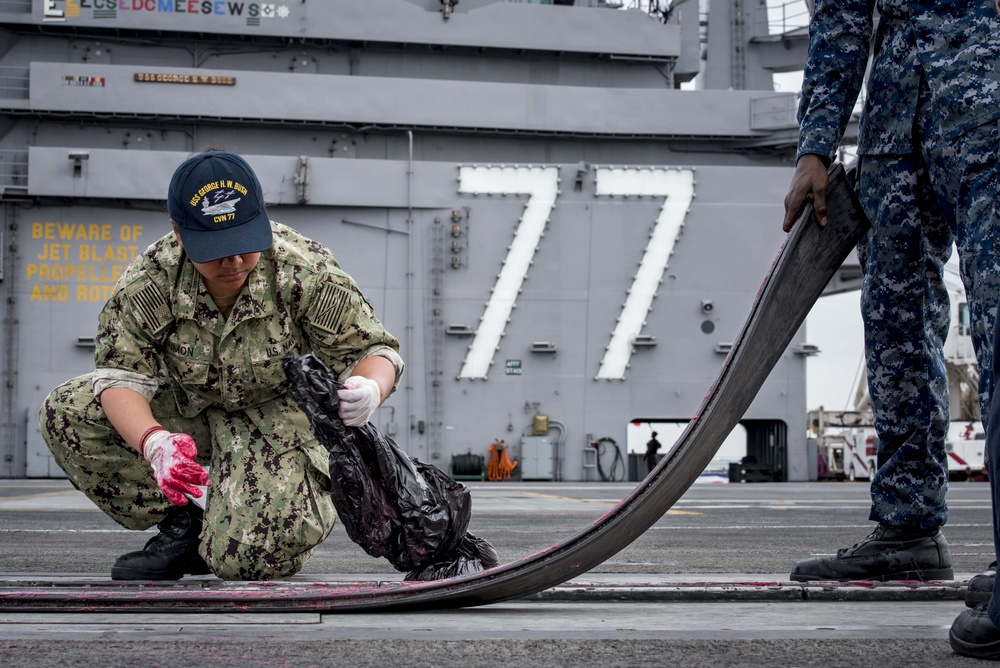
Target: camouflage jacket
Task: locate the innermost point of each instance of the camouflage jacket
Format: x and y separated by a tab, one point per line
160	327
952	45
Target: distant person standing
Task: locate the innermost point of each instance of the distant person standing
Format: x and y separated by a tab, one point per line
652	447
928	177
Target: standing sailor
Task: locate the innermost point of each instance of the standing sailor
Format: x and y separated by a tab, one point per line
928	177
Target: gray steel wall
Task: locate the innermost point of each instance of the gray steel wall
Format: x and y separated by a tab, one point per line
68	257
359	118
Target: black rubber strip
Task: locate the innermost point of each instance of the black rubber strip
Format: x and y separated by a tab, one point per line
807	260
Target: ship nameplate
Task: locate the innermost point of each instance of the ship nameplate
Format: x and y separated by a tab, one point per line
200	79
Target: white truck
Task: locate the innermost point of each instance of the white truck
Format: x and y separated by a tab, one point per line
847	446
966	447
861	458
851	452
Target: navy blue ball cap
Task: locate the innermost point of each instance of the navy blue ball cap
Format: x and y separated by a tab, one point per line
218	205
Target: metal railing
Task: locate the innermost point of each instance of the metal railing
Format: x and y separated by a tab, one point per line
13	169
14	83
14	6
775	17
784	16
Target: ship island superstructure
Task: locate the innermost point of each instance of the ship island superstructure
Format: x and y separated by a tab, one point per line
562	209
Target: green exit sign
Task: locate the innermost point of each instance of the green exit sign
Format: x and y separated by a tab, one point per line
513	367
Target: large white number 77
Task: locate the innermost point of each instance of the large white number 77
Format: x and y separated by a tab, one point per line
541	185
677	187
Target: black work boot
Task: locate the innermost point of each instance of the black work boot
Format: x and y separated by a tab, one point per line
980	587
887	553
170	554
973	634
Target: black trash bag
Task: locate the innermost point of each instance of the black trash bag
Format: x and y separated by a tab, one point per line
392	505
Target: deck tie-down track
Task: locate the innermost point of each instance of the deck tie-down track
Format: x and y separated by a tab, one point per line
312	593
806	261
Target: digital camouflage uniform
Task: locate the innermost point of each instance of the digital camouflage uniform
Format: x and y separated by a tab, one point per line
927	178
221	381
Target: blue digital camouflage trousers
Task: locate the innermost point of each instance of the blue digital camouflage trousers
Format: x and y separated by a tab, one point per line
919	204
993	464
269	505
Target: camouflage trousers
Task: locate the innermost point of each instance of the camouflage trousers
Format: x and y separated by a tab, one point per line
268	505
919	205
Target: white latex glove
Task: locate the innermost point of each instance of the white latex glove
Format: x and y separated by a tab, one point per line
358	400
177	473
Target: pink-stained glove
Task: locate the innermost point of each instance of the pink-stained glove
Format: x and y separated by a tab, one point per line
358	400
177	473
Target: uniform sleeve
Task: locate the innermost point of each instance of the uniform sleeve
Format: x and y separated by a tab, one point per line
129	327
378	351
839	37
343	329
106	378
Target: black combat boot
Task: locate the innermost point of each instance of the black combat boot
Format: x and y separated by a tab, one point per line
169	555
887	553
980	586
973	634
